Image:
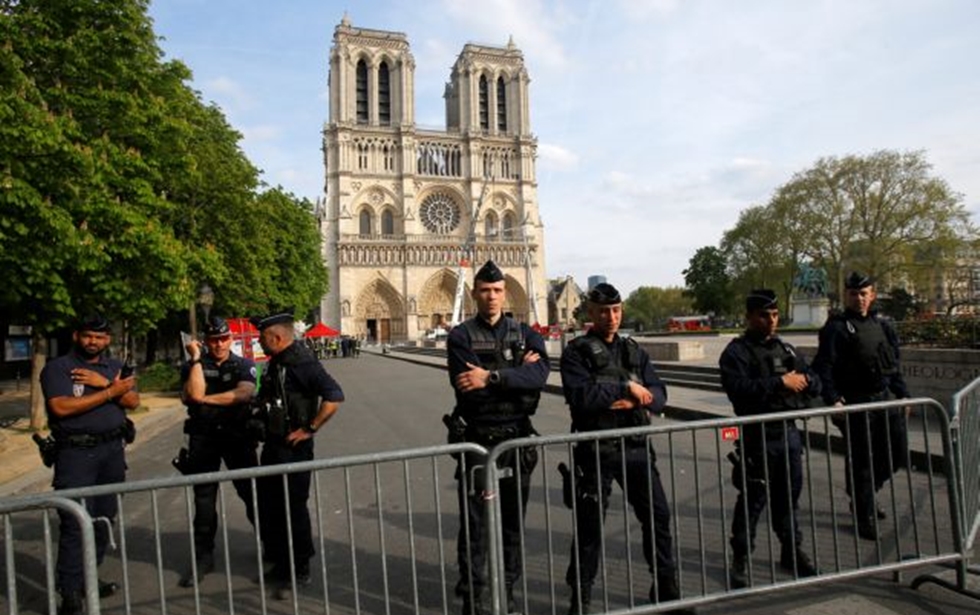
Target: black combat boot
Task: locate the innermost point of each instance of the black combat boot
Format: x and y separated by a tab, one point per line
511	603
738	574
107	588
665	589
581	600
205	566
795	560
71	603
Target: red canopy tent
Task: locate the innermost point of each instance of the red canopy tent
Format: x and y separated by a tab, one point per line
321	330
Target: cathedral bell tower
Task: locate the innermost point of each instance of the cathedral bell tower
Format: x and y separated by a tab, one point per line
401	201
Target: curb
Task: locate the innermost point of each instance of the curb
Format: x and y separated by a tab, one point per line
820	441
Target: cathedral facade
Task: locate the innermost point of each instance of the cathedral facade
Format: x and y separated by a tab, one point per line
409	211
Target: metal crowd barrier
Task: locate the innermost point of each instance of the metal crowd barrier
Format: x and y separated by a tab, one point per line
922	526
27	561
965	435
383	534
385	538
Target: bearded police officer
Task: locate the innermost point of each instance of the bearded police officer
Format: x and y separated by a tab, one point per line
497	367
300	397
857	362
762	374
87	397
609	383
218	385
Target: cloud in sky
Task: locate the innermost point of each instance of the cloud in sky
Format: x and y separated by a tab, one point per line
657	120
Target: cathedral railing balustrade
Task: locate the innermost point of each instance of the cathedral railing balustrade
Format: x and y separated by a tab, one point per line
434	255
439	158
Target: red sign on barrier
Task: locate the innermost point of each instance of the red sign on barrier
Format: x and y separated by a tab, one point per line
729	433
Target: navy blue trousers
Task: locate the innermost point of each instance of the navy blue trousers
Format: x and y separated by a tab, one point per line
83	467
774	476
641	486
272	506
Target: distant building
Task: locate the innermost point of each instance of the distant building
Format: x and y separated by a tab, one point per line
399	197
564	297
595	280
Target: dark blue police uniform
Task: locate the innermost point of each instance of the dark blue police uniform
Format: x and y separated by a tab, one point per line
857	362
595	374
90	452
216	434
293	380
752	367
498	412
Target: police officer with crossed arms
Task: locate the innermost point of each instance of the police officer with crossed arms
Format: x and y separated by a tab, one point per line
497	367
218	386
87	396
762	374
610	383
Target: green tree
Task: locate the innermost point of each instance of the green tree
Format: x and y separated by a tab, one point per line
874	212
649	307
708	281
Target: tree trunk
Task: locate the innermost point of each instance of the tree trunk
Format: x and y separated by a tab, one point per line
151	347
39	417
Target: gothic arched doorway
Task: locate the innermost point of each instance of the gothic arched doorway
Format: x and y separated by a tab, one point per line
379	312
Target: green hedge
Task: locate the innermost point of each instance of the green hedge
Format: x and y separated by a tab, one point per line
940	332
159	377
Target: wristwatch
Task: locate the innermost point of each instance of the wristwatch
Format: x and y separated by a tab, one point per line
194	362
494	377
310	428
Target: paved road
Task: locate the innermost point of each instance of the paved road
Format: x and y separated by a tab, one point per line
395	405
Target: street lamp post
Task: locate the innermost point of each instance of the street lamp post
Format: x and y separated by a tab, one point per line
205	297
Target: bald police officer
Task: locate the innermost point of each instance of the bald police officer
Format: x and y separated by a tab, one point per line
610	383
87	397
218	386
762	374
497	367
857	361
301	397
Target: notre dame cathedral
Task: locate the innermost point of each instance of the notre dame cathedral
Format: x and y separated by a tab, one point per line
403	203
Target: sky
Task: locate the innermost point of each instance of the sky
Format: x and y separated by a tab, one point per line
657	121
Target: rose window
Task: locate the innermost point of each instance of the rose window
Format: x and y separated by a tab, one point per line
440	214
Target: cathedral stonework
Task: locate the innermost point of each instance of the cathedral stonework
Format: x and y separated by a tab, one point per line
404	205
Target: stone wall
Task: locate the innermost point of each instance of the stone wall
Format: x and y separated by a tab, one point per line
937	373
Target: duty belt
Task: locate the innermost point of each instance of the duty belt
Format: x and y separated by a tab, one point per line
90	440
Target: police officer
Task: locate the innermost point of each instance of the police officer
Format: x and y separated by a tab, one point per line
218	386
763	374
497	367
87	397
609	383
857	362
300	397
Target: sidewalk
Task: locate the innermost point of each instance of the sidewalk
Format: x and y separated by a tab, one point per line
21	470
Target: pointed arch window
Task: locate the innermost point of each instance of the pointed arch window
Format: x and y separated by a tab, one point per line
387	223
490	229
384	95
365	219
484	103
362	92
508	230
501	105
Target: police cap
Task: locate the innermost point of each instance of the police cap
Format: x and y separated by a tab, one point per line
94	322
216	327
857	281
761	299
278	317
489	272
604	294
